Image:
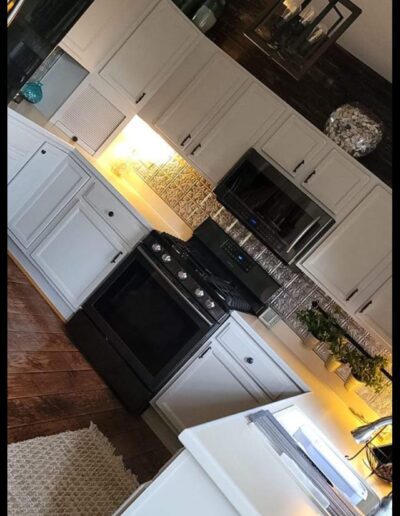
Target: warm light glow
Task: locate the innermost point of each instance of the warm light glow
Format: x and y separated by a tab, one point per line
139	142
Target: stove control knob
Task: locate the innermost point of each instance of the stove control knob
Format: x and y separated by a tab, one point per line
166	258
198	292
182	275
156	248
209	304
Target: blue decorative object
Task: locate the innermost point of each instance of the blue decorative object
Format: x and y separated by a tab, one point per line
32	92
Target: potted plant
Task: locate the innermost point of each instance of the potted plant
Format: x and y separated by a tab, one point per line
318	325
338	352
365	371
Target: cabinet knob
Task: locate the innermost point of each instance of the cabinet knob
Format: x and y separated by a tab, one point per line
43	151
111	214
249	360
298	166
74	138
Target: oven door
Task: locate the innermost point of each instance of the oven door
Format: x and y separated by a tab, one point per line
150	322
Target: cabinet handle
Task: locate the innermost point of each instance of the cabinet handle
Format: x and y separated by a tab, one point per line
185	140
309	177
249	360
352	294
195	149
365	306
74	139
116	257
110	214
205	352
140	98
298	166
43	151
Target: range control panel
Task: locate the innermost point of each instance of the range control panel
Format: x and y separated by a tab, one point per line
237	254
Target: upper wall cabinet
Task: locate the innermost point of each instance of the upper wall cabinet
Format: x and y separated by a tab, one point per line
357	253
335	182
226	139
199	102
102	28
294	145
150	53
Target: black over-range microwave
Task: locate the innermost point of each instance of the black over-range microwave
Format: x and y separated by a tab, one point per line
278	213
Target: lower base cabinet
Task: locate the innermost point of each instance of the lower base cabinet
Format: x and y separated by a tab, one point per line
216	384
78	252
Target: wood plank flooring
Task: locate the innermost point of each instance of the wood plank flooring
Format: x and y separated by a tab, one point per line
52	388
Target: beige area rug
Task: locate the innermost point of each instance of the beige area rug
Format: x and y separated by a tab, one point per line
74	473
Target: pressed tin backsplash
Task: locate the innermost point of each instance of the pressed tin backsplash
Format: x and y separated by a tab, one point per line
187	193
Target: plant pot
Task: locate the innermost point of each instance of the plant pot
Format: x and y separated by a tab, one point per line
310	341
332	364
352	383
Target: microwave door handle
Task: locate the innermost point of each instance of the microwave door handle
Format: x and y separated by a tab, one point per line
299	237
167	280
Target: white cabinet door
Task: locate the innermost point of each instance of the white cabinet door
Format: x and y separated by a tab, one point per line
220	147
101	28
22	143
335	182
150	54
357	251
207	93
294	145
78	252
213	386
375	313
93	114
40	191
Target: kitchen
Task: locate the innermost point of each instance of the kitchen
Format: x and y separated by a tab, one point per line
113	211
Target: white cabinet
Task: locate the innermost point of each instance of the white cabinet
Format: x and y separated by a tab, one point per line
40	190
335	182
224	141
213	386
93	114
22	144
78	252
207	93
375	313
151	53
231	373
100	29
357	253
294	145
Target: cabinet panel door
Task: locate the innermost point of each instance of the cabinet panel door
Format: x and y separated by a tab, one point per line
101	27
40	191
90	117
376	312
294	145
335	181
212	88
78	252
21	146
151	51
255	110
213	386
357	251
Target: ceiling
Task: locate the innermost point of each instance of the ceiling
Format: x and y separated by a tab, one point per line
369	38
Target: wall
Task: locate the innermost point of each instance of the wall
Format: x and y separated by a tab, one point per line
140	153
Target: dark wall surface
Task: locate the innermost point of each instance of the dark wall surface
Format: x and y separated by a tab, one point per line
337	77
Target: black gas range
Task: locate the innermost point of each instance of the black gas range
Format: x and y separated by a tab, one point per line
161	304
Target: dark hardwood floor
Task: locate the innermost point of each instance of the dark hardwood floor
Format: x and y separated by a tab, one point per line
52	388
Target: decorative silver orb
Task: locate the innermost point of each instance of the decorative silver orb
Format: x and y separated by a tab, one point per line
354	128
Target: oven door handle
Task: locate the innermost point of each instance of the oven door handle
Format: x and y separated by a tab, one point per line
304	232
176	290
